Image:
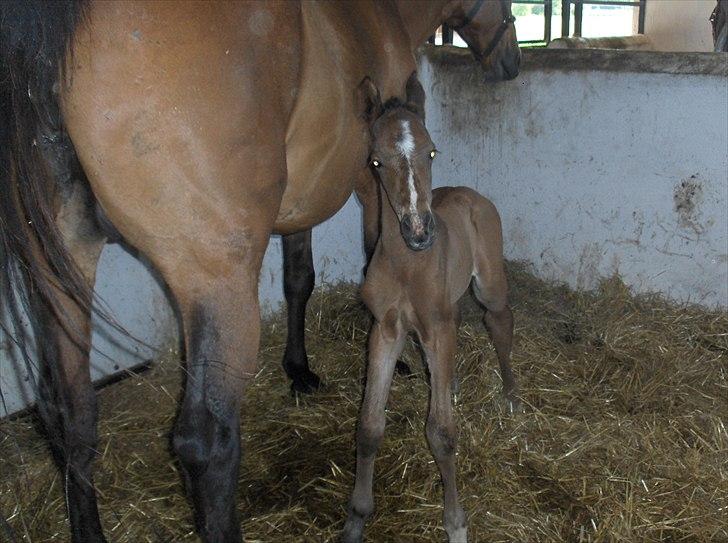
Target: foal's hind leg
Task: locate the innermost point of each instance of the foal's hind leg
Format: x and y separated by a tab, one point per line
67	400
385	344
298	282
439	351
491	291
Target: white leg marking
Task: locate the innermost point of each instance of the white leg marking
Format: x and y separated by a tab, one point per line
458	535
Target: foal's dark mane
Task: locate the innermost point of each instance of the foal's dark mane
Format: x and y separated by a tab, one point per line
396	103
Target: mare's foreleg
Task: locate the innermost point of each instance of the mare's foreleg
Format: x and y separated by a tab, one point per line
298	283
385	344
66	398
441	432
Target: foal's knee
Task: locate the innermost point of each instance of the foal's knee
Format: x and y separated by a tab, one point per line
442	438
369	435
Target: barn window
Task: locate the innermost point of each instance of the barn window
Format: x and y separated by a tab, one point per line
540	21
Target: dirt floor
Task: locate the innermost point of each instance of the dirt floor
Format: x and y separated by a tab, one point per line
623	437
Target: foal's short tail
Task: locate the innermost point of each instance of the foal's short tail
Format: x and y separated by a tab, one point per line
34	45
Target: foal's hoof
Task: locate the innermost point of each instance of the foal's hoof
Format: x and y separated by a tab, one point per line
458	535
456	527
305	382
513	403
353	531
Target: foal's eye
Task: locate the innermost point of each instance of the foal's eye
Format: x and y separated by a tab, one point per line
432	154
376	163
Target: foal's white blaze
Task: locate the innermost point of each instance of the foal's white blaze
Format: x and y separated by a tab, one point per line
406	146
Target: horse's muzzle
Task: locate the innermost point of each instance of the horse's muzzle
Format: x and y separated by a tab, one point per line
418	230
506	68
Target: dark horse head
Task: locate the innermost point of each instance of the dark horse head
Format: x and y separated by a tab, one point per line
719	21
401	155
487	26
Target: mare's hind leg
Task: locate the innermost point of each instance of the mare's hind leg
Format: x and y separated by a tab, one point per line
386	341
298	282
67	400
221	360
439	349
490	288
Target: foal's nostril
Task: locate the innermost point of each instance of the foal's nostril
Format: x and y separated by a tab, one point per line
405	227
429	224
418	230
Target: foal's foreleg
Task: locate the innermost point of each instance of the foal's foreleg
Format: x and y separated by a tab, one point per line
367	192
440	429
385	344
298	283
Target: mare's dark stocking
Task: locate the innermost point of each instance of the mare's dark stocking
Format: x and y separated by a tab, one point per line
298	283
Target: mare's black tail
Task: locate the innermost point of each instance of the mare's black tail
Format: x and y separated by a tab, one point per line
34	45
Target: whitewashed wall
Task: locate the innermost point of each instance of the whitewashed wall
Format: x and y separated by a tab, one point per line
596	166
599	162
679	25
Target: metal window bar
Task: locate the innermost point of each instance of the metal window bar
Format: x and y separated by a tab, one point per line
446	35
547	12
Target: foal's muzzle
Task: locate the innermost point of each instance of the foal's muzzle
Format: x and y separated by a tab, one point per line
418	230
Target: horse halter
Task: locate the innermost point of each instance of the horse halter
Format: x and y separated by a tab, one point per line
508	19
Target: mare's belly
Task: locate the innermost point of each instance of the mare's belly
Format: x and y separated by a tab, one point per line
321	170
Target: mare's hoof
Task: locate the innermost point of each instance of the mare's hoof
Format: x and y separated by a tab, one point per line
402	368
305	382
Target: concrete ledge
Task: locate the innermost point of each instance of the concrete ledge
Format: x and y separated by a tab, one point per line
637	42
606	60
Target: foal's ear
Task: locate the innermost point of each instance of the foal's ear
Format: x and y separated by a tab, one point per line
369	102
416	95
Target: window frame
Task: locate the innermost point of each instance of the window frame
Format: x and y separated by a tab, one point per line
579	14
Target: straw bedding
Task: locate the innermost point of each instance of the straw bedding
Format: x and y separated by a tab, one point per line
623	437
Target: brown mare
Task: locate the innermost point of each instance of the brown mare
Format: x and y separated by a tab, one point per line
193	130
432	246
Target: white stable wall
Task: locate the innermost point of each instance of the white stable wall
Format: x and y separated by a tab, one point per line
679	25
596	166
599	162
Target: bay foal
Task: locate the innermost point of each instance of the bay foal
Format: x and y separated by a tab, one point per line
432	245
